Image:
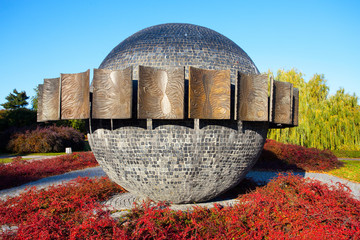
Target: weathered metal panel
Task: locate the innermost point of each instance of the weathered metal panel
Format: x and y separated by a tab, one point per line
75	100
51	99
209	93
271	99
282	105
39	114
296	107
112	94
253	97
161	93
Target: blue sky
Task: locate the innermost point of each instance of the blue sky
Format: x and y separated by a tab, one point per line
41	39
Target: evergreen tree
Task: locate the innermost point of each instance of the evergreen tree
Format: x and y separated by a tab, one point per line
16	100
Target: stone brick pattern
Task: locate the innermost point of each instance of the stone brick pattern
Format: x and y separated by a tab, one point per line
176	162
178	45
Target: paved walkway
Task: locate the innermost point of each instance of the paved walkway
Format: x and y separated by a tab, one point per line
125	201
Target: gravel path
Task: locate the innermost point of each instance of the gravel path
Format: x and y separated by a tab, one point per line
258	176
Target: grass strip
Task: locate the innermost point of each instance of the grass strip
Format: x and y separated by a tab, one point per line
26	156
346	154
350	170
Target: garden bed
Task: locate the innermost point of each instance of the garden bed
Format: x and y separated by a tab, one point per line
287	207
284	157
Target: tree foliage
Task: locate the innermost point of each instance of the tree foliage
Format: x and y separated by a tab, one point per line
34	99
324	122
15	100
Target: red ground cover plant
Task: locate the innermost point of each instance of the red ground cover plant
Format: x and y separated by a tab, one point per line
281	156
20	172
287	208
60	211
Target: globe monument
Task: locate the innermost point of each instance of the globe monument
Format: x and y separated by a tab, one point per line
177	112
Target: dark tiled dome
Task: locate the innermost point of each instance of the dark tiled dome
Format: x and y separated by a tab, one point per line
178	44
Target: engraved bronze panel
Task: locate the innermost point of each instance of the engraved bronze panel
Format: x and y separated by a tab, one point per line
112	94
209	92
282	108
75	101
161	93
253	97
39	114
271	100
296	107
51	99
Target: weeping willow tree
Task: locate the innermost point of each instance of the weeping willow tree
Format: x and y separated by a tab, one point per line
324	122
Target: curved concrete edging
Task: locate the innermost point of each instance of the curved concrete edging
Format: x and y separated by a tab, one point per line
127	199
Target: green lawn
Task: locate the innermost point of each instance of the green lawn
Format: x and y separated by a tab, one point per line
346	154
10	159
5	160
350	171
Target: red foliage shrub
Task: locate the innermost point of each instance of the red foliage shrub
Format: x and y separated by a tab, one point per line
20	172
287	208
303	208
276	155
48	139
61	211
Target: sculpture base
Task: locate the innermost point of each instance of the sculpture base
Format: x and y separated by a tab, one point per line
177	161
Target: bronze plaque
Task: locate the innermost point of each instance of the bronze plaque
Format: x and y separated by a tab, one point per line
209	93
39	114
253	97
75	101
161	93
112	94
296	107
51	99
282	108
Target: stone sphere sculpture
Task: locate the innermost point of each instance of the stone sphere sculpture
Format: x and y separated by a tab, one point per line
185	160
